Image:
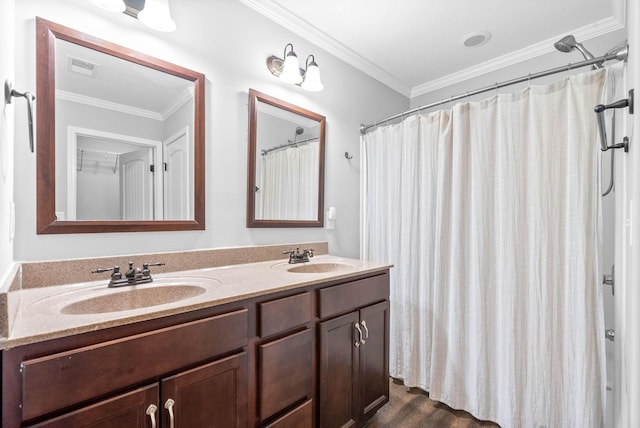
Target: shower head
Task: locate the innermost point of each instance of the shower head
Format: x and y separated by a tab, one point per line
566	44
299	130
569	43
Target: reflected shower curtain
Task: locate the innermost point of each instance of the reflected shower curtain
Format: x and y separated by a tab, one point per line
490	213
289	183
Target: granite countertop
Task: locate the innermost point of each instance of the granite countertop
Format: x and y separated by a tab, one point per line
57	311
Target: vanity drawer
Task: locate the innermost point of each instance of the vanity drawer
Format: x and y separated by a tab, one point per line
60	380
285	313
351	295
285	372
300	417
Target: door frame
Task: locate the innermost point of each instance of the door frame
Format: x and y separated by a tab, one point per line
74	132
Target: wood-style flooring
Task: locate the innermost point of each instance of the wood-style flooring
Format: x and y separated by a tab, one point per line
412	408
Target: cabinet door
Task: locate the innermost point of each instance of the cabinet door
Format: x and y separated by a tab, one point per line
374	359
126	410
212	395
338	366
285	372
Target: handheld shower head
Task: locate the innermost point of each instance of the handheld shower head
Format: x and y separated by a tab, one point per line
569	43
566	44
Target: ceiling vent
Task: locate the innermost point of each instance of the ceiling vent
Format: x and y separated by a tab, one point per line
81	66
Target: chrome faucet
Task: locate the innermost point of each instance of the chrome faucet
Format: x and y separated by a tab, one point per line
133	276
295	256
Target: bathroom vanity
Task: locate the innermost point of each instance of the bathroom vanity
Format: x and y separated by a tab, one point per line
262	345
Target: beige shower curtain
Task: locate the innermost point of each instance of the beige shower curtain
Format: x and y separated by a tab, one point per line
490	213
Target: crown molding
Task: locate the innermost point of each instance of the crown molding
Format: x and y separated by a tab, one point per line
597	29
319	38
183	98
96	102
305	30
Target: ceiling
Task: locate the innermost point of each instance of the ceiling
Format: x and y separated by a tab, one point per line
416	46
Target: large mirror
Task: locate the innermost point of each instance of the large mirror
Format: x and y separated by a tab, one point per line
285	184
120	138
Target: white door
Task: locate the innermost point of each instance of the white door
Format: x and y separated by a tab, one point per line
136	185
178	204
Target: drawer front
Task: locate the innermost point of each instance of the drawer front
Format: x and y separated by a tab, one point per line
60	380
300	417
283	314
286	370
347	297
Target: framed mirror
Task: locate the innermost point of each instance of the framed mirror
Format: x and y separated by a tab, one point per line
120	138
285	173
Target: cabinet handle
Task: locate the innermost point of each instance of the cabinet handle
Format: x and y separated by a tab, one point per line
359	341
366	331
169	406
151	411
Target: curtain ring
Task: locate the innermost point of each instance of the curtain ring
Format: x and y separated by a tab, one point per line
496	88
529	80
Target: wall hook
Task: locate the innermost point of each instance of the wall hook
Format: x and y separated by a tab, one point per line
347	155
9	93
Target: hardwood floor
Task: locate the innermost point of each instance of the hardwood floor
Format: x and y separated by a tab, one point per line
412	408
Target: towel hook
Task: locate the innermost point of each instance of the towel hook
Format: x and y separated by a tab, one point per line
9	93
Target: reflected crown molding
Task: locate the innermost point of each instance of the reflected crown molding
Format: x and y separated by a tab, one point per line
178	102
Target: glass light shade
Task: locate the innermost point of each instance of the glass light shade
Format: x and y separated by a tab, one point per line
291	69
111	5
156	15
312	82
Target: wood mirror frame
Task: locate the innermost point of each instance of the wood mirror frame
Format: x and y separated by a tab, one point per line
256	97
46	34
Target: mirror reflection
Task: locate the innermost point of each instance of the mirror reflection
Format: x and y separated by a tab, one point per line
286	153
124	133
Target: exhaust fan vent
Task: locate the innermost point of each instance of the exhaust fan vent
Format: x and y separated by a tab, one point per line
81	66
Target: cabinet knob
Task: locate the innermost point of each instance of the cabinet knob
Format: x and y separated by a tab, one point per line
360	341
151	411
169	406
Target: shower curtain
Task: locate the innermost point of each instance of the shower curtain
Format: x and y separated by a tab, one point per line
490	213
289	183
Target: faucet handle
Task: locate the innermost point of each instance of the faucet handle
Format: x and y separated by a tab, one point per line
309	252
100	270
145	267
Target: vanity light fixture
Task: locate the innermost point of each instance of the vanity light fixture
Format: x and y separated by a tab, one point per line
288	70
154	14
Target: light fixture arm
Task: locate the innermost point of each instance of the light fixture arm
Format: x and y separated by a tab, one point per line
313	61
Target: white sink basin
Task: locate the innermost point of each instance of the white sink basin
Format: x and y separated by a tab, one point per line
320	268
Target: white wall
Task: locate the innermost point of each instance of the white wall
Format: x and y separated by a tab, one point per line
7	135
628	299
229	43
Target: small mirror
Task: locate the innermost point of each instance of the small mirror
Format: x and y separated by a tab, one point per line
120	137
285	184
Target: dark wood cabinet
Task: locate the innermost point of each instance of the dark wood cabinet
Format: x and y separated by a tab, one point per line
133	409
212	395
353	363
315	356
373	363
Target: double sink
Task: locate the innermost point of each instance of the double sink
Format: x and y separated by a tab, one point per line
169	289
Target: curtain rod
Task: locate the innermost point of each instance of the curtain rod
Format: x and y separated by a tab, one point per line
291	143
620	55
